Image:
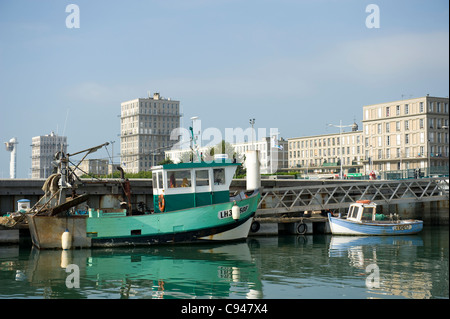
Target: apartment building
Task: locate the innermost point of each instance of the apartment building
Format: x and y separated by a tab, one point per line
327	153
273	153
43	150
146	126
406	134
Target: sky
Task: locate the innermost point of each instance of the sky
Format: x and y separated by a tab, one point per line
294	65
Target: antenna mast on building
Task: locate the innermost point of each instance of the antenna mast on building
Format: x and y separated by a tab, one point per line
11	147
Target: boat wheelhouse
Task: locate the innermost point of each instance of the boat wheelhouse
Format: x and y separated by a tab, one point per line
188	185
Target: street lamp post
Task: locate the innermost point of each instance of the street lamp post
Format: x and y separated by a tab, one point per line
340	142
112	159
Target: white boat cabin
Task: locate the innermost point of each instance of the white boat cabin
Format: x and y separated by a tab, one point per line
362	210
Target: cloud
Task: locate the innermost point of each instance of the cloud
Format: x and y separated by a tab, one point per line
395	55
377	61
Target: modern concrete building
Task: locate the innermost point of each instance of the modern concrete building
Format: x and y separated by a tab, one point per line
407	134
146	126
43	150
326	154
93	167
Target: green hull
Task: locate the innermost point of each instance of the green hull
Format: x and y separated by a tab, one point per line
212	222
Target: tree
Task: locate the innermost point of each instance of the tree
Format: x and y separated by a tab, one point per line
221	148
166	161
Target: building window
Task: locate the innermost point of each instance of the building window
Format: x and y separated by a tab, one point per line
388	128
421	123
397	110
406	109
387	111
406	125
421	107
388	140
397	126
379	128
406	138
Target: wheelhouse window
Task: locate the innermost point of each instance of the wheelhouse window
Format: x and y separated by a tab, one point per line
202	177
367	213
353	213
154	179
180	178
160	180
157	180
219	176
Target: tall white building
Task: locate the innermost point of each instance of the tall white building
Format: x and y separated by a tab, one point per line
145	131
43	150
408	134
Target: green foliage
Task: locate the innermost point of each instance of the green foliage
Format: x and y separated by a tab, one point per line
166	161
117	175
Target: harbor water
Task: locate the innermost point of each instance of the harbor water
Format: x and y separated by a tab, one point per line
317	266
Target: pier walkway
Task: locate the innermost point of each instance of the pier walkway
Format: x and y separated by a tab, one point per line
281	200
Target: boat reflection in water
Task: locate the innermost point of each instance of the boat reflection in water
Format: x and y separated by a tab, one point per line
391	264
161	272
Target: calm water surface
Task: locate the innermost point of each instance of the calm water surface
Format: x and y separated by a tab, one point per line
319	266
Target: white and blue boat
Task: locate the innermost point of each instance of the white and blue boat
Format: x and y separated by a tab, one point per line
362	219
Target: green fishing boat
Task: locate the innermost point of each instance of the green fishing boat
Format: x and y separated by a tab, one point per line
191	203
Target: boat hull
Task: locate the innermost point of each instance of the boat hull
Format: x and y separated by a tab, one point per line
341	226
235	231
199	224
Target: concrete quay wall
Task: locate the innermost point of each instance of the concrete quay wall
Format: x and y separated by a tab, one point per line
103	192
